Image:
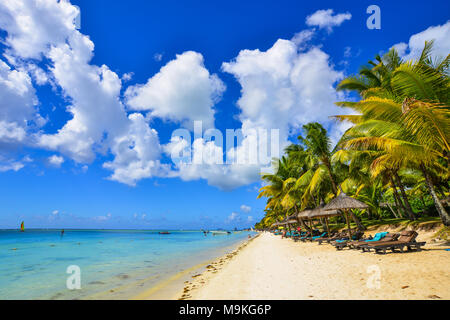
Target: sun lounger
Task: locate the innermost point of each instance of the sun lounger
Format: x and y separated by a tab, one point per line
305	237
339	236
321	236
325	236
298	236
336	236
375	240
406	239
342	243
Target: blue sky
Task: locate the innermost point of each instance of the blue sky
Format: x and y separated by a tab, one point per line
206	60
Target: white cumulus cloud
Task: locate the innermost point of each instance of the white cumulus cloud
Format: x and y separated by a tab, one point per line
44	29
35	25
283	88
441	48
55	160
17	104
182	91
326	19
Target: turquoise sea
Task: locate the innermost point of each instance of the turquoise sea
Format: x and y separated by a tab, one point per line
114	264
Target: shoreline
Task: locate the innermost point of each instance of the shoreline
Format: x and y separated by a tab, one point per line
213	267
170	287
268	267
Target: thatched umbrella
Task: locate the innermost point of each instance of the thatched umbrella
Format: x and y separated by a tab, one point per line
305	215
292	219
345	203
319	212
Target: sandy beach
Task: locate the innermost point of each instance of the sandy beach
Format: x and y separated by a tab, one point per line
268	267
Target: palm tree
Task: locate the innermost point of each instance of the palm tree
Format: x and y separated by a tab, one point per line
319	177
402	125
406	117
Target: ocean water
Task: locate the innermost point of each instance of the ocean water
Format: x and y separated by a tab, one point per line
114	264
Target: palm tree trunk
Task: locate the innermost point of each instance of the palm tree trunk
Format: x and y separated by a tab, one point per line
440	208
357	221
324	226
333	183
299	219
400	208
409	210
369	213
395	214
304	224
330	174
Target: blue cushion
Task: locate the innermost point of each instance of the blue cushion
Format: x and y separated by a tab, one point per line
378	236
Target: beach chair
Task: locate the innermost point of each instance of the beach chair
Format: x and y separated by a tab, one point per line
343	235
307	236
299	235
295	235
325	236
377	237
318	237
333	237
375	240
342	243
406	239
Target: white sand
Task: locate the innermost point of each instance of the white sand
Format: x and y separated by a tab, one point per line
273	268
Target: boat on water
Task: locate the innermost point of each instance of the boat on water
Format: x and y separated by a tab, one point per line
164	232
22	227
219	232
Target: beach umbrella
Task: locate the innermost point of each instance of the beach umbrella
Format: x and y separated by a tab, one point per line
345	203
292	219
304	215
319	212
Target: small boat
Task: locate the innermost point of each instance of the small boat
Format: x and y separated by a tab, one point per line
217	232
22	227
164	232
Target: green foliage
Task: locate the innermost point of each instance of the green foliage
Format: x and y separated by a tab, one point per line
400	136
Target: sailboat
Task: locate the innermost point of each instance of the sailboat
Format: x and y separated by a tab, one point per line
22	227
